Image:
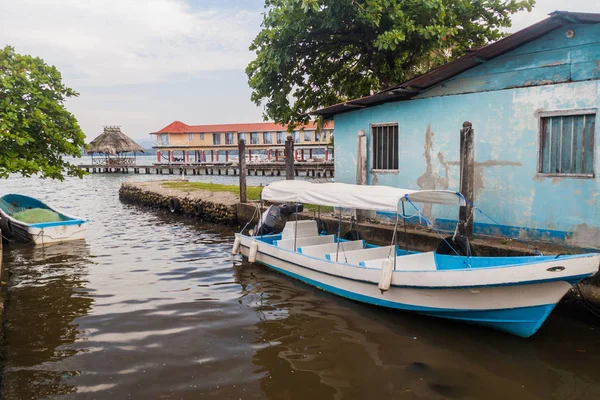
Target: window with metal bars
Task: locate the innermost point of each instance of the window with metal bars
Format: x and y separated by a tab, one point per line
567	143
385	147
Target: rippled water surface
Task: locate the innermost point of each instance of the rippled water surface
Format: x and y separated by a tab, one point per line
154	307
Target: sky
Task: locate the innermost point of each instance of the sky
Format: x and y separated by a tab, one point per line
143	64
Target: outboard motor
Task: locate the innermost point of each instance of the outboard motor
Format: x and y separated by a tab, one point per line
268	220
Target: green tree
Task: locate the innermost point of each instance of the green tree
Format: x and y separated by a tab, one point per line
36	130
314	53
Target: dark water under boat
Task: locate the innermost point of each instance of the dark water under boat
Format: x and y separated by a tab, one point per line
155	307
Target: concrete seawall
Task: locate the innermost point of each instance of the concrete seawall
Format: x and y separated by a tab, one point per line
224	208
208	206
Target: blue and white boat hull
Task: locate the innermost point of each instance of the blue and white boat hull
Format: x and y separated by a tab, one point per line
69	228
513	298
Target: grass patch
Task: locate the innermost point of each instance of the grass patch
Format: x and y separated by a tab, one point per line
252	192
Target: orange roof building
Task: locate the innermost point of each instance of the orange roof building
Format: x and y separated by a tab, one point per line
179	142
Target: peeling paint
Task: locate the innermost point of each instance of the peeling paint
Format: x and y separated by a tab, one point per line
585	236
479	169
431	180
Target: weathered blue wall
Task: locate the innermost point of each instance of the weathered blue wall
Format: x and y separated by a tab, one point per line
506	124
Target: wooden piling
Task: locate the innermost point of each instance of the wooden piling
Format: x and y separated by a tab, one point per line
242	166
289	158
467	173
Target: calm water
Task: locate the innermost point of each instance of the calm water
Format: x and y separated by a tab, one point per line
155	307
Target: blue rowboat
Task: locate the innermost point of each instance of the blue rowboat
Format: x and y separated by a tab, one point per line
67	228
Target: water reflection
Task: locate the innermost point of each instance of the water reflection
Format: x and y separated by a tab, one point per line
313	345
41	325
155	306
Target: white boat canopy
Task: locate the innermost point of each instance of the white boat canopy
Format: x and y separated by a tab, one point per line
363	197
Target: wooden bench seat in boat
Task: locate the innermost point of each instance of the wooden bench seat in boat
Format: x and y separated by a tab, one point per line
356	256
409	262
305	228
320	250
304	241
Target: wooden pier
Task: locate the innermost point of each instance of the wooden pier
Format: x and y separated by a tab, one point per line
309	169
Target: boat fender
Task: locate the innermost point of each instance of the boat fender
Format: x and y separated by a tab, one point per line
236	245
387	267
6	228
253	251
175	205
198	209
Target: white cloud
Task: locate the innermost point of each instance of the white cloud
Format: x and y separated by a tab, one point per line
544	7
108	42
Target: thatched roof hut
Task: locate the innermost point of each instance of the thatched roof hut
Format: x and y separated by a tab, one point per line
113	142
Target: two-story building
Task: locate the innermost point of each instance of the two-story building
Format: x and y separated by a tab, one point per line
532	99
179	142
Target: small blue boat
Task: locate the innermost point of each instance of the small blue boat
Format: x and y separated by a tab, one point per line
65	228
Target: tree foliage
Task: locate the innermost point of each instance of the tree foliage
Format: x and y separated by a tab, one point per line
314	53
36	130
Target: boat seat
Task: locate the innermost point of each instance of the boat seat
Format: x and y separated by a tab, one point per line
305	229
321	250
410	262
304	241
356	256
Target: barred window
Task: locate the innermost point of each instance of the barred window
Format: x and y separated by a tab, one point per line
567	144
254	138
216	138
229	138
385	147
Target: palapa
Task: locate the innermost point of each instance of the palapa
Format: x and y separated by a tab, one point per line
113	142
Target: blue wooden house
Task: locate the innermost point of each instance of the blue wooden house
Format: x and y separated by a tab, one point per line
532	99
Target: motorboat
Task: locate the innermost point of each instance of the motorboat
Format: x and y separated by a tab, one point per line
514	294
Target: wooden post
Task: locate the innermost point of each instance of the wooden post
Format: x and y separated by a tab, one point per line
467	173
289	158
242	166
361	169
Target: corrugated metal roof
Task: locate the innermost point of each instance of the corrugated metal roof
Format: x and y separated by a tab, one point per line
180	127
414	86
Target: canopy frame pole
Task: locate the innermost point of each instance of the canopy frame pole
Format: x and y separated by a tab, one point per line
339	232
296	228
395	240
260	221
405	233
